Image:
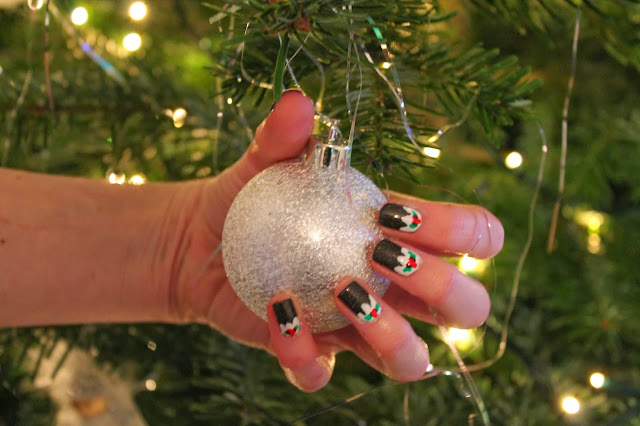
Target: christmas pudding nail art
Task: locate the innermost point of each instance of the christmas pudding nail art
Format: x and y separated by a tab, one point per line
397	258
360	302
287	317
402	218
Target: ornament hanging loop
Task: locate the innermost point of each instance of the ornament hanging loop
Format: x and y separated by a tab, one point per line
331	152
329	156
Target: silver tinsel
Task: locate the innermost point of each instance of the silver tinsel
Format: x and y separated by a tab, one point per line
298	226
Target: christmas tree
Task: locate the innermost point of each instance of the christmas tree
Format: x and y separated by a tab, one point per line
528	108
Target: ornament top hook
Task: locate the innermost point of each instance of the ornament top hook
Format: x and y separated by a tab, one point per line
331	153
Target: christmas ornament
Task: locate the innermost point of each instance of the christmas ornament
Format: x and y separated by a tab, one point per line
302	226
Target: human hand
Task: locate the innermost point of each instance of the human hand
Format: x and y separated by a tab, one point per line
385	340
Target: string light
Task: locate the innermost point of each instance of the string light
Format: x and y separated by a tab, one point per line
431	152
229	101
150	384
570	405
597	380
152	345
132	42
459	334
79	15
35	4
138	10
468	263
386	65
137	180
179	115
513	160
116	178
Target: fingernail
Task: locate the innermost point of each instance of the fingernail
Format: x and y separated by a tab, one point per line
283	93
402	218
360	302
397	258
287	317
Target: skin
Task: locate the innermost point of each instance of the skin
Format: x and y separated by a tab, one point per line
76	251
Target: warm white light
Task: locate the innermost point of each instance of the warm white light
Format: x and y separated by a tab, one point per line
79	15
597	380
458	335
35	4
431	152
132	42
513	160
468	263
179	115
593	220
117	178
152	345
594	243
570	405
137	180
150	384
138	10
229	101
386	65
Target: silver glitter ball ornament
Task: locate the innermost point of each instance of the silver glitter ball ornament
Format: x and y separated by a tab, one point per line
302	226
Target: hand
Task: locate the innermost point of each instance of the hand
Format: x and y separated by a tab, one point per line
384	339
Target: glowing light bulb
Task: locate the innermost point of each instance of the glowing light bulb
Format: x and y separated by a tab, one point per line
79	15
386	65
35	4
431	152
459	335
150	384
132	42
137	180
570	405
116	178
597	380
179	115
468	263
138	10
513	160
229	101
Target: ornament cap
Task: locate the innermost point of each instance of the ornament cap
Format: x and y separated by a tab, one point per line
329	156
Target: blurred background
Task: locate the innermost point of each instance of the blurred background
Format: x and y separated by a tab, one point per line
131	93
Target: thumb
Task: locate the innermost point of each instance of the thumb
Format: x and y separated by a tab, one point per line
282	135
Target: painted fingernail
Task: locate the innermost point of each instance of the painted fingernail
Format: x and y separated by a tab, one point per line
396	258
402	218
360	302
287	317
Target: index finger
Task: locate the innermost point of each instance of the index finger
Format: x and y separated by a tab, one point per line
446	228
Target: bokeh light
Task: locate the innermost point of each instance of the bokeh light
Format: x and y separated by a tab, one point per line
116	178
138	10
35	4
597	380
570	405
513	160
150	384
137	180
132	42
79	15
179	115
